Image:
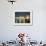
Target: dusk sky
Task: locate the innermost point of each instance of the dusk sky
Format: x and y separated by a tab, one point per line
22	13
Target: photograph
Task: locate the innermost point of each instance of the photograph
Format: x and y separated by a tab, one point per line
23	18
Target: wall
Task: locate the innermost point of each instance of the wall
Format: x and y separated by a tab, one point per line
9	31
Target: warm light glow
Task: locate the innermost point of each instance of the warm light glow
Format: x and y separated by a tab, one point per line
27	17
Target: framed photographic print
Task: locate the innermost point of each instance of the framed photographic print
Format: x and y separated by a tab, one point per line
23	17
